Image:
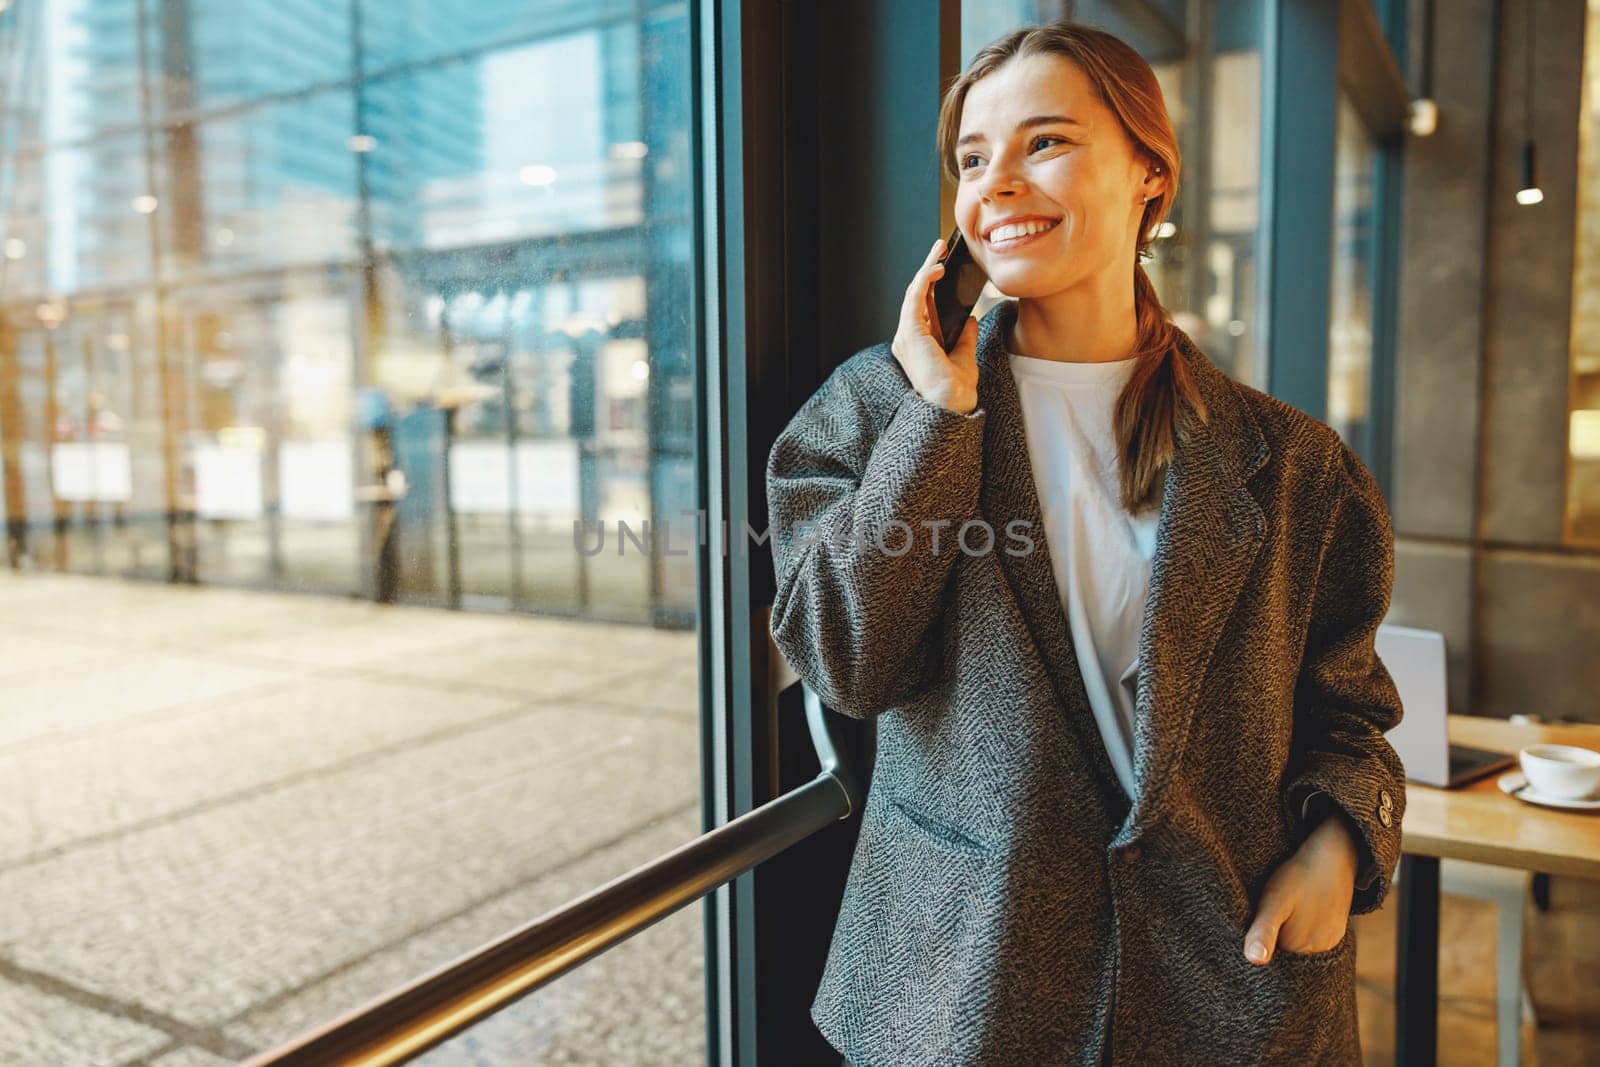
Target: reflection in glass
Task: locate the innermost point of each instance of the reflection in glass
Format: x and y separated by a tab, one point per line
1350	319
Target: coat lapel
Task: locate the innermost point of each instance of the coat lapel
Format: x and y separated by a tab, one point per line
1210	530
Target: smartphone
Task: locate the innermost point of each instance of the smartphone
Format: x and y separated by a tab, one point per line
956	291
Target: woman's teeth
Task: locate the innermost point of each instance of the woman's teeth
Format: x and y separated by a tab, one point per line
1003	234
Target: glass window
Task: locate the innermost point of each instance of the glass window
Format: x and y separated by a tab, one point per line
1219	261
267	461
316	322
210	53
1583	435
91	84
984	21
1350	303
25	179
439	178
271	185
397	34
77	217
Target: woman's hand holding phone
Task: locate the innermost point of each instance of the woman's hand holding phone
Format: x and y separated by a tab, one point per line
949	379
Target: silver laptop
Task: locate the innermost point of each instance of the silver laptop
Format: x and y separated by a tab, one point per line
1415	660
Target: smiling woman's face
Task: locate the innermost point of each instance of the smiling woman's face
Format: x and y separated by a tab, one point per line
1082	178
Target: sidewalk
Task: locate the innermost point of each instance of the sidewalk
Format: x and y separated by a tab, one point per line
228	816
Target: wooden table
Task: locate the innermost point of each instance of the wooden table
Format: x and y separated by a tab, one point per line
1480	823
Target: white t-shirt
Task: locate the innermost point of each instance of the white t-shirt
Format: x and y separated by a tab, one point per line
1100	554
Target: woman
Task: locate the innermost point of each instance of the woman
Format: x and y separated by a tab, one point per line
1114	615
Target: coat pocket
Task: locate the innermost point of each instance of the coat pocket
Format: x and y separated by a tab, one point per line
1299	1007
939	830
906	963
1346	944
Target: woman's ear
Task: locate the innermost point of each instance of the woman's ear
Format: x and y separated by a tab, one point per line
1155	180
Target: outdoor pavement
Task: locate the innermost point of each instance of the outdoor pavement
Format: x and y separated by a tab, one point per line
228	816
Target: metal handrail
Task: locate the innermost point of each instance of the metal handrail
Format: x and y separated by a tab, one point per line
410	1020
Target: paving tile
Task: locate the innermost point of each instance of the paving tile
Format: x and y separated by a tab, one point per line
564	658
641	1001
116	688
189	1057
91	783
209	915
672	689
143	613
252	810
30	654
384	638
40	1028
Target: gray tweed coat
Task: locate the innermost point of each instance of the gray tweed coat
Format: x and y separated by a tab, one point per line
1007	903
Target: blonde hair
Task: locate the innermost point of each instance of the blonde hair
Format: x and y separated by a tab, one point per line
1146	416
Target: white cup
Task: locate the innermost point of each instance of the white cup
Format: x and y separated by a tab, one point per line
1564	771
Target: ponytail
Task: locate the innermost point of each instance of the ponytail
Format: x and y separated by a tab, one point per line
1146	418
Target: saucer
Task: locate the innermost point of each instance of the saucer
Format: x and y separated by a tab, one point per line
1512	782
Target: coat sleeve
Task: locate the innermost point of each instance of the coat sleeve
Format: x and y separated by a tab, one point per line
855	619
1345	699
1318	804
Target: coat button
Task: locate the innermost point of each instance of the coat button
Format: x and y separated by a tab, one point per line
1386	816
1385	799
1131	854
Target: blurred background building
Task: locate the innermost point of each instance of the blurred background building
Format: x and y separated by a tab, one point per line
260	254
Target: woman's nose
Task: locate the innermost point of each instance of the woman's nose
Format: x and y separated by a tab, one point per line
999	181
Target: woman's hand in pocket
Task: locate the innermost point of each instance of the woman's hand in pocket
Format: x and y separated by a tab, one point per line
1306	903
949	379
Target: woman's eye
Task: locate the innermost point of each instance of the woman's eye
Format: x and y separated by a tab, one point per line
1034	142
